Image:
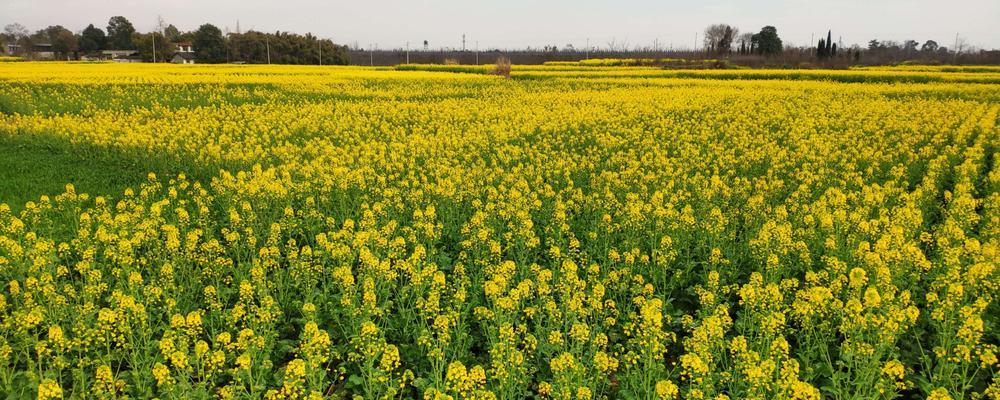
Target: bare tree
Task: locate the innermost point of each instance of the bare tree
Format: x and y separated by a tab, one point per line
744	41
719	38
615	45
15	30
961	44
17	34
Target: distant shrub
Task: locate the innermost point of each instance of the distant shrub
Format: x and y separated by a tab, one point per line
665	63
562	63
720	64
471	69
502	67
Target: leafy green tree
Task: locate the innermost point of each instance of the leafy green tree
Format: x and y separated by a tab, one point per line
172	33
120	32
92	39
209	45
144	44
767	41
64	43
286	48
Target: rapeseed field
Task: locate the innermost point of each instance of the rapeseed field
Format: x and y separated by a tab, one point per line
573	232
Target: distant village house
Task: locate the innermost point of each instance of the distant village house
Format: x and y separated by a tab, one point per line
122	56
185	54
38	51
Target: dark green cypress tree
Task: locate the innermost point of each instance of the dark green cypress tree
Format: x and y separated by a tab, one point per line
829	44
821	50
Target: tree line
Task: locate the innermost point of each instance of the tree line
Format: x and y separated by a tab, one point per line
722	40
212	46
209	43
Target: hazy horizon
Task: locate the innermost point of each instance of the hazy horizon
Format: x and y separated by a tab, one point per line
522	23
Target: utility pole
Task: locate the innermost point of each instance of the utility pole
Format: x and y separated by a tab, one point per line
236	43
159	27
696	42
463	42
320	52
588	49
477	52
267	44
407	52
371	55
955	49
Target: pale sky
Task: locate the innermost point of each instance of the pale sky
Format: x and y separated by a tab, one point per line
521	23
